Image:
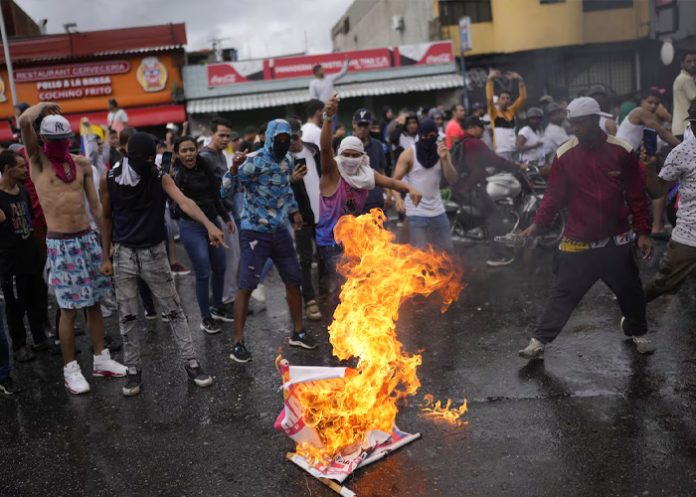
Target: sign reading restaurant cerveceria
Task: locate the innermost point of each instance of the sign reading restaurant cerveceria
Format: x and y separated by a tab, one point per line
86	87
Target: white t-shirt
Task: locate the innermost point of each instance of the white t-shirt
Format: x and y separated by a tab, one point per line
311	181
554	137
311	133
117	120
681	165
533	137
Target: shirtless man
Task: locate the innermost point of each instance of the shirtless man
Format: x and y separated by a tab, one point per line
62	182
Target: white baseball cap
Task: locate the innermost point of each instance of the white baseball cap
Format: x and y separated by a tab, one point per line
585	106
55	127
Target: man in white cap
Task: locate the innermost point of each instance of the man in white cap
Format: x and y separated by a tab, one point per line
599	180
62	182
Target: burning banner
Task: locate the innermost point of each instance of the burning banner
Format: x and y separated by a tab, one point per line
340	417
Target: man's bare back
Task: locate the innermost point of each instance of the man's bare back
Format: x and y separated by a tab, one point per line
63	203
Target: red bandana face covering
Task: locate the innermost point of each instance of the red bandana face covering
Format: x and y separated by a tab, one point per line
58	152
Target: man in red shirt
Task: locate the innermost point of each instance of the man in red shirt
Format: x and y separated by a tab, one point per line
473	157
453	130
599	180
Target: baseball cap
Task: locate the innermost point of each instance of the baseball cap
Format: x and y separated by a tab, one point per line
362	116
172	127
473	121
546	99
553	107
535	112
597	90
55	127
585	106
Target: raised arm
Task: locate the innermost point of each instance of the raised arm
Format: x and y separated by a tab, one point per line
94	204
329	168
650	120
26	125
192	210
341	73
522	96
107	226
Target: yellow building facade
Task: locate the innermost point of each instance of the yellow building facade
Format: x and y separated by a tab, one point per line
524	25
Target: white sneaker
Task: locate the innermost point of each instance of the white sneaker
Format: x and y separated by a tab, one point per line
104	365
259	293
74	381
535	350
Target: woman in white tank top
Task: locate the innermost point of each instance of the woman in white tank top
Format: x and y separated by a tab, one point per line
422	166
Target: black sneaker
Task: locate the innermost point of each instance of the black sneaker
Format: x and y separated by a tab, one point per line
302	339
112	344
42	346
151	314
222	314
240	353
23	354
9	387
210	326
133	382
197	375
164	317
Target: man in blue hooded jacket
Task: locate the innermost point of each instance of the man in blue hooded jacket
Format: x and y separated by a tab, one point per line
269	204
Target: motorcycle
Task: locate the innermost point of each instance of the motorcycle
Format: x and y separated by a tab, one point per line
516	196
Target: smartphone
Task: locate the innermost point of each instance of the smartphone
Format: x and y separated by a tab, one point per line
650	141
300	161
166	161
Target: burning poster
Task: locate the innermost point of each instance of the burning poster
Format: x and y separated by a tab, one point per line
340	418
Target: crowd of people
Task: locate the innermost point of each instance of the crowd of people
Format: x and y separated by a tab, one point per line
104	223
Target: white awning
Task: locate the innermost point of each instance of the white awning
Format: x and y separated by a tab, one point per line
280	98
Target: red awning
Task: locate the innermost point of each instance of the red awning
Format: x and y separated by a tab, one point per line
138	117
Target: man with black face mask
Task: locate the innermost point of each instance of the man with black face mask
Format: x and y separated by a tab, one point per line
422	166
133	195
268	204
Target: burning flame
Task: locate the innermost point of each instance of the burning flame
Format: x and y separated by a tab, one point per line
452	415
380	275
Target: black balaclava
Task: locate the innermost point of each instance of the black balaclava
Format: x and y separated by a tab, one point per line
426	148
141	158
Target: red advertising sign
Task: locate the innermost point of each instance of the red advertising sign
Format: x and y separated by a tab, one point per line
90	69
439	52
360	60
229	73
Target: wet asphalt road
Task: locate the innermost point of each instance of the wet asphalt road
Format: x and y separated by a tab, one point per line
594	419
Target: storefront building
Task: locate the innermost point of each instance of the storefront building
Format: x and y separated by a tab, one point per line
139	67
255	91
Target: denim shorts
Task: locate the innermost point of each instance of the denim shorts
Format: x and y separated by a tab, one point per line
257	247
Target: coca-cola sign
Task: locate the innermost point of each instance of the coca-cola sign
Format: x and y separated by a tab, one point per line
439	52
230	73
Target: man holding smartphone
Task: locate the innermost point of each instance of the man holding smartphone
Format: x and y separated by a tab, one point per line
632	130
305	186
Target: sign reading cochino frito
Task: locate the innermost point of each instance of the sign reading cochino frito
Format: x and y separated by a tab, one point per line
87	86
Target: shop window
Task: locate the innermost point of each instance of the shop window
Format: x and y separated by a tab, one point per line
452	10
592	5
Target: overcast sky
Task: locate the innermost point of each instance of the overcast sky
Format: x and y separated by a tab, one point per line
257	28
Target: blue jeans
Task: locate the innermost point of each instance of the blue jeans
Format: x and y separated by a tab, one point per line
257	248
331	256
430	230
4	350
208	264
